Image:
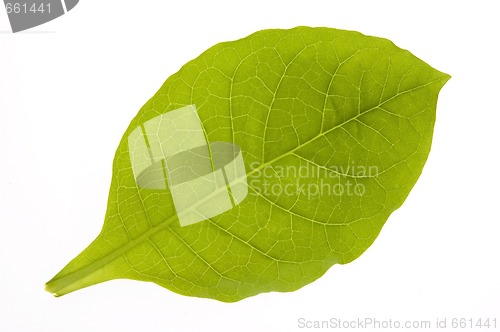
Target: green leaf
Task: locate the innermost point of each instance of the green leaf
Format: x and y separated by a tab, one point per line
331	129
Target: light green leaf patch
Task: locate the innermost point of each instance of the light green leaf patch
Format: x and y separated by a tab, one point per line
262	163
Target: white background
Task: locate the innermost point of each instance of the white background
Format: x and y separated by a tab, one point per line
69	88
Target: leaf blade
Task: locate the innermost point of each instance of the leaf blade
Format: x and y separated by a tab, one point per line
320	98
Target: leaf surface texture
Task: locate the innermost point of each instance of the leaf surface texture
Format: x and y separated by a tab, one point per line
350	109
